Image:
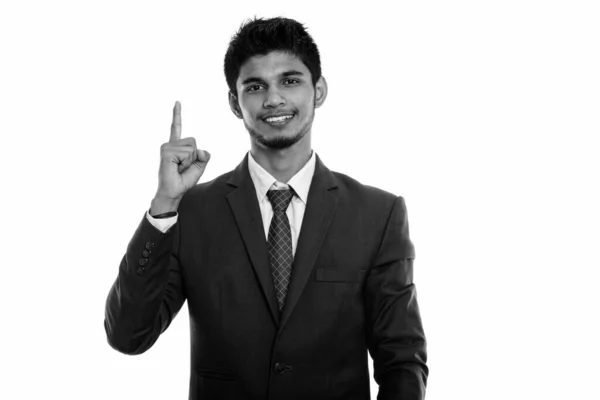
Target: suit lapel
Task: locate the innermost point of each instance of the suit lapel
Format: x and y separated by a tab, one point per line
320	208
321	205
244	205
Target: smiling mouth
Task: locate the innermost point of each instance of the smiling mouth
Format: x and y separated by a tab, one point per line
279	119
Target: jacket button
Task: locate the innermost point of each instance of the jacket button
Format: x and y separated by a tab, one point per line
149	245
140	270
143	261
146	253
279	367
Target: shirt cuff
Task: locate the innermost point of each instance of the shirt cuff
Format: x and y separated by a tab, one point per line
162	224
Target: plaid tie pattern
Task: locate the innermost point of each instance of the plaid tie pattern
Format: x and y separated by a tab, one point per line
280	243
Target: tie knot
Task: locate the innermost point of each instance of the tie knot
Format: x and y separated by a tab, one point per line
280	199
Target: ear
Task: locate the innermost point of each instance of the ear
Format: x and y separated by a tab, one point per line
234	105
320	92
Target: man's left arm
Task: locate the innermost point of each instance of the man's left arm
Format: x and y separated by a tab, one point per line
395	335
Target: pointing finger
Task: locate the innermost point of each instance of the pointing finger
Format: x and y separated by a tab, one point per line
176	124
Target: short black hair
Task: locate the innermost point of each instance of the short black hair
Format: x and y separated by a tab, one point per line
262	36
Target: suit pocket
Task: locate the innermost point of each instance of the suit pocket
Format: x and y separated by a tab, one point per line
215	374
214	385
340	275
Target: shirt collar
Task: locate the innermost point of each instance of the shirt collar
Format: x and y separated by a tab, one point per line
263	181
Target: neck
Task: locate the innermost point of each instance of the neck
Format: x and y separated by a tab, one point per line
283	164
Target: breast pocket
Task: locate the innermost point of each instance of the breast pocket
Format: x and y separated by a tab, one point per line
339	292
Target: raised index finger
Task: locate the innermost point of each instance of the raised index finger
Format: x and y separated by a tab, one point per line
176	124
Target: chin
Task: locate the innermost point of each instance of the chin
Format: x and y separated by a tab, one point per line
281	142
276	141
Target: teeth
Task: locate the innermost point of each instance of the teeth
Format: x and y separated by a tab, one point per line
278	119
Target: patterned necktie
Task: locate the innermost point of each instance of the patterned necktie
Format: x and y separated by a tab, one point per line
280	243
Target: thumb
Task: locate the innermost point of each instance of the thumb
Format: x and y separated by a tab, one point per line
202	156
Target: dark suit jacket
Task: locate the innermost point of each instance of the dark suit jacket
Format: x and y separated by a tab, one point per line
351	290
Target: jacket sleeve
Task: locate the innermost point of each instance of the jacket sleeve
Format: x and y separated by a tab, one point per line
148	292
395	335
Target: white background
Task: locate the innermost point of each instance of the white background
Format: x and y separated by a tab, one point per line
484	115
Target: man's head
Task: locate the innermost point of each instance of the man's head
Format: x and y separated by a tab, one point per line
262	36
273	71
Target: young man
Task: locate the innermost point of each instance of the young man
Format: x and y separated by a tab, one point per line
291	271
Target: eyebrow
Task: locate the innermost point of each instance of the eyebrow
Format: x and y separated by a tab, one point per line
291	73
285	74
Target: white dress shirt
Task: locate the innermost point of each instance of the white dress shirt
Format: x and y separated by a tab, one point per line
263	182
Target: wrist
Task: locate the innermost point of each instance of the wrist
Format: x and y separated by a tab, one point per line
162	205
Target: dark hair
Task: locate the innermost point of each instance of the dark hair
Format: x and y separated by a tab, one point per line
262	36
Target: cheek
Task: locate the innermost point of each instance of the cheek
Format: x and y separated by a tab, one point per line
247	111
250	108
305	100
306	107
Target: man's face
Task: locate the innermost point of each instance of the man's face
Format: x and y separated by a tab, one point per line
276	99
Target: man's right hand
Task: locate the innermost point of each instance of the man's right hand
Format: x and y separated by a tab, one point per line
181	166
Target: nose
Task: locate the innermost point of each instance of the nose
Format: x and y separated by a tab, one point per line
274	98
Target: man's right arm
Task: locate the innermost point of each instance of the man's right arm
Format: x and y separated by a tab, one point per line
149	290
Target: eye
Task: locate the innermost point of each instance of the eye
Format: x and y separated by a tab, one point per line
290	81
253	88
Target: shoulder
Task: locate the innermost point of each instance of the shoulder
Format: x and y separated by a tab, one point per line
365	202
371	210
351	189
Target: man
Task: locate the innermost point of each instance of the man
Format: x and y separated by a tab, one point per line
291	271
